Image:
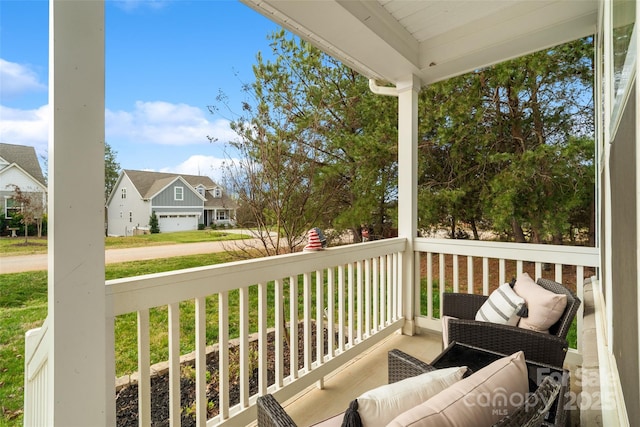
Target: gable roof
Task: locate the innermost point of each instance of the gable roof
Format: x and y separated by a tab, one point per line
149	183
25	157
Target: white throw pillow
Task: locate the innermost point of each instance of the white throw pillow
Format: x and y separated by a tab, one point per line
502	306
445	330
379	406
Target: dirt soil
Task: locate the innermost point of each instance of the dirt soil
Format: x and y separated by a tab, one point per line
127	398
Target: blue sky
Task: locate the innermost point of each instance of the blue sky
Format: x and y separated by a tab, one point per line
166	61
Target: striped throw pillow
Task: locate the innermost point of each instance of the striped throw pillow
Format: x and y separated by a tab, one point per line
502	306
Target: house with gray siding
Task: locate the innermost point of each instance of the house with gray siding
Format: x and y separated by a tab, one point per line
181	202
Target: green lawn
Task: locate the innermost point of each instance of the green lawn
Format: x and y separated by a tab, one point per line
16	246
23	306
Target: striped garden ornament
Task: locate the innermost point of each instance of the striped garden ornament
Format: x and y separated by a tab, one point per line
313	241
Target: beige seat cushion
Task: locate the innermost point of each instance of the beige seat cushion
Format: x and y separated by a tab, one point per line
479	400
380	405
545	307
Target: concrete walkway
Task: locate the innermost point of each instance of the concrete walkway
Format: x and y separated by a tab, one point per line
17	264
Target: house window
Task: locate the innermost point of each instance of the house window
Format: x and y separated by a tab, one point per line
622	56
11	207
201	191
123	193
217	193
130	216
178	193
120	214
222	215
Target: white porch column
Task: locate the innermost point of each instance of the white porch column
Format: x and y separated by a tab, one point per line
408	190
77	356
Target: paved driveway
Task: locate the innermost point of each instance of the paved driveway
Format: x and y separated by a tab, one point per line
16	264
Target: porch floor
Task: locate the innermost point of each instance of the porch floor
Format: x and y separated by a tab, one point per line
368	371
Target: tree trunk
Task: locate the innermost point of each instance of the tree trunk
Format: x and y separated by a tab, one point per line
453	228
557	237
518	234
474	228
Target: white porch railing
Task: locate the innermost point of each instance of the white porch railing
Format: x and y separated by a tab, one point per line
479	267
37	390
354	291
357	285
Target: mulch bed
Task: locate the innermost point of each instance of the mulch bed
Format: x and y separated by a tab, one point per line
127	398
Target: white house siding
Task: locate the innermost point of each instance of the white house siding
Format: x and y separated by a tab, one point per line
119	222
14	176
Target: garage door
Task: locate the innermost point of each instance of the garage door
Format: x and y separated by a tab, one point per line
169	223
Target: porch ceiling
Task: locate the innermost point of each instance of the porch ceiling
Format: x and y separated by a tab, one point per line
390	40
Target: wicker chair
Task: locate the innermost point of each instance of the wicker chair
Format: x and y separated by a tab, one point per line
549	349
401	366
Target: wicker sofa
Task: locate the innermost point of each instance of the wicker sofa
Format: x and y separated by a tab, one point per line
539	347
401	366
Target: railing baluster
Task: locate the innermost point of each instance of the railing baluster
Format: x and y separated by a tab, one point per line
429	256
470	274
244	347
319	317
144	364
359	301
456	278
398	302
519	267
279	332
367	297
293	326
174	364
223	347
350	303
331	332
201	362
580	314
341	295
485	276
383	290
558	277
441	284
376	294
307	321
262	340
390	299
502	272
538	269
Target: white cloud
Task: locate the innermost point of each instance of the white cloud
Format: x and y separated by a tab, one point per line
199	164
25	127
16	79
165	123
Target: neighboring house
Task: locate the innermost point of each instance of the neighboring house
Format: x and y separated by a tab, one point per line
19	166
181	202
